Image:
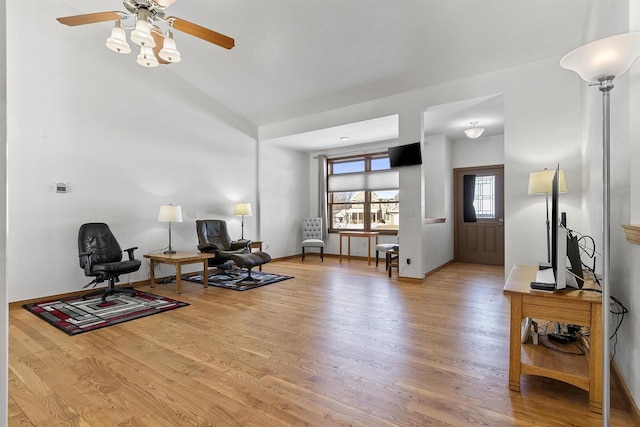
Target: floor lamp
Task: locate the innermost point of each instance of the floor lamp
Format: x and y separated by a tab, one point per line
540	183
599	63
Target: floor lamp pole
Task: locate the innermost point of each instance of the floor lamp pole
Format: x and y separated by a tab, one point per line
606	84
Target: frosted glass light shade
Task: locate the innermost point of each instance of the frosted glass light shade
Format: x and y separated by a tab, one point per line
170	213
243	208
146	58
474	132
142	34
540	182
118	40
169	52
605	58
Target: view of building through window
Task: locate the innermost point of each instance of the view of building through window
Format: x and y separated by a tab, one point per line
485	196
360	209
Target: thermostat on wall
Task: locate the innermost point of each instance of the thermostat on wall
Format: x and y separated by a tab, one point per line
62	187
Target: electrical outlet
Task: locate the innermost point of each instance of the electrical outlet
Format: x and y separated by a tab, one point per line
408	261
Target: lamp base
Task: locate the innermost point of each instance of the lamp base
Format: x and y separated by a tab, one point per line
169	252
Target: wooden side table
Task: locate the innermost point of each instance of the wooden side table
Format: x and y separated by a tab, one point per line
178	259
577	307
350	234
256	245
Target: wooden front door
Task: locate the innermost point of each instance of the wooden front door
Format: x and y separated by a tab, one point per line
479	220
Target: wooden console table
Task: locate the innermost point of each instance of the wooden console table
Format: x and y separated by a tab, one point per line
350	234
178	259
573	307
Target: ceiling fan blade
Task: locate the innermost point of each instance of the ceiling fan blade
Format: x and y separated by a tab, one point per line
201	32
159	42
90	18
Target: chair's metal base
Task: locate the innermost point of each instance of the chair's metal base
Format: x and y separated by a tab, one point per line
110	290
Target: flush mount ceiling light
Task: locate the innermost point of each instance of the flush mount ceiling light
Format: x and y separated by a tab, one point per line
344	138
142	18
474	132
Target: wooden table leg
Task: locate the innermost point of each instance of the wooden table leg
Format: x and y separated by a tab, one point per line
205	273
515	338
178	278
152	275
595	359
369	249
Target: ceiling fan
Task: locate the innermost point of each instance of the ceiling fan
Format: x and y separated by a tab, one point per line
142	17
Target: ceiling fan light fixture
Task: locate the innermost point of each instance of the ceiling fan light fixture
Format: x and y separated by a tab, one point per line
141	35
474	132
169	52
146	58
118	40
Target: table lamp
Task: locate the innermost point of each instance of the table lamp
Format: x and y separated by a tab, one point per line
242	209
170	213
540	183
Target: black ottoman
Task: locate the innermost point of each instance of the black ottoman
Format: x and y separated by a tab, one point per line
249	261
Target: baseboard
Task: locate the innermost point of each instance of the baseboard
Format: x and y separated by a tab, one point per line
626	394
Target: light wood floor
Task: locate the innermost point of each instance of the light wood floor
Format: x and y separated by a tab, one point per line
340	344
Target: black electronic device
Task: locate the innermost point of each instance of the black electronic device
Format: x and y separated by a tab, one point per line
540	286
405	155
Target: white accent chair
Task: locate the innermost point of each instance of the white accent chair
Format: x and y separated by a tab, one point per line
312	235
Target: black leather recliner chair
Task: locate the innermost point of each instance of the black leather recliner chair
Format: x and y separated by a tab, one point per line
101	257
214	238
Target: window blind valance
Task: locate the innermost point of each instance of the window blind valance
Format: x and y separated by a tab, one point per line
364	181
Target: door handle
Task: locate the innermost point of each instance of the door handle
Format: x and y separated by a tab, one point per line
500	222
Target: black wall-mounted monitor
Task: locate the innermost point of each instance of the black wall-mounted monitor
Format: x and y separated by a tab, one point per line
405	155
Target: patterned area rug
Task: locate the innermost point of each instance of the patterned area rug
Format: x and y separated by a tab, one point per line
235	279
74	316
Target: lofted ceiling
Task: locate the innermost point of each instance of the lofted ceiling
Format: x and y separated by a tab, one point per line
298	57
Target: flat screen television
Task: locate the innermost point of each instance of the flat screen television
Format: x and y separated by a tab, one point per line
405	155
564	245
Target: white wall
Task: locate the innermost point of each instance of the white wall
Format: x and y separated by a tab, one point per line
542	128
438	238
124	145
484	151
284	199
4	319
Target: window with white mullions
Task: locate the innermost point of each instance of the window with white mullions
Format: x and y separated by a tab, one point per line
485	196
363	193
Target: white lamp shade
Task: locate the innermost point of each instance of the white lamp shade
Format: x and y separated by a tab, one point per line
146	58
605	58
170	213
142	34
243	208
169	52
474	132
118	40
540	182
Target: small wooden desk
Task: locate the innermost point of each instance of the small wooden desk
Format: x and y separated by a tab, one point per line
178	259
350	234
573	307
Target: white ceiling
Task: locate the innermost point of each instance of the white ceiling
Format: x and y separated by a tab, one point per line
298	57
